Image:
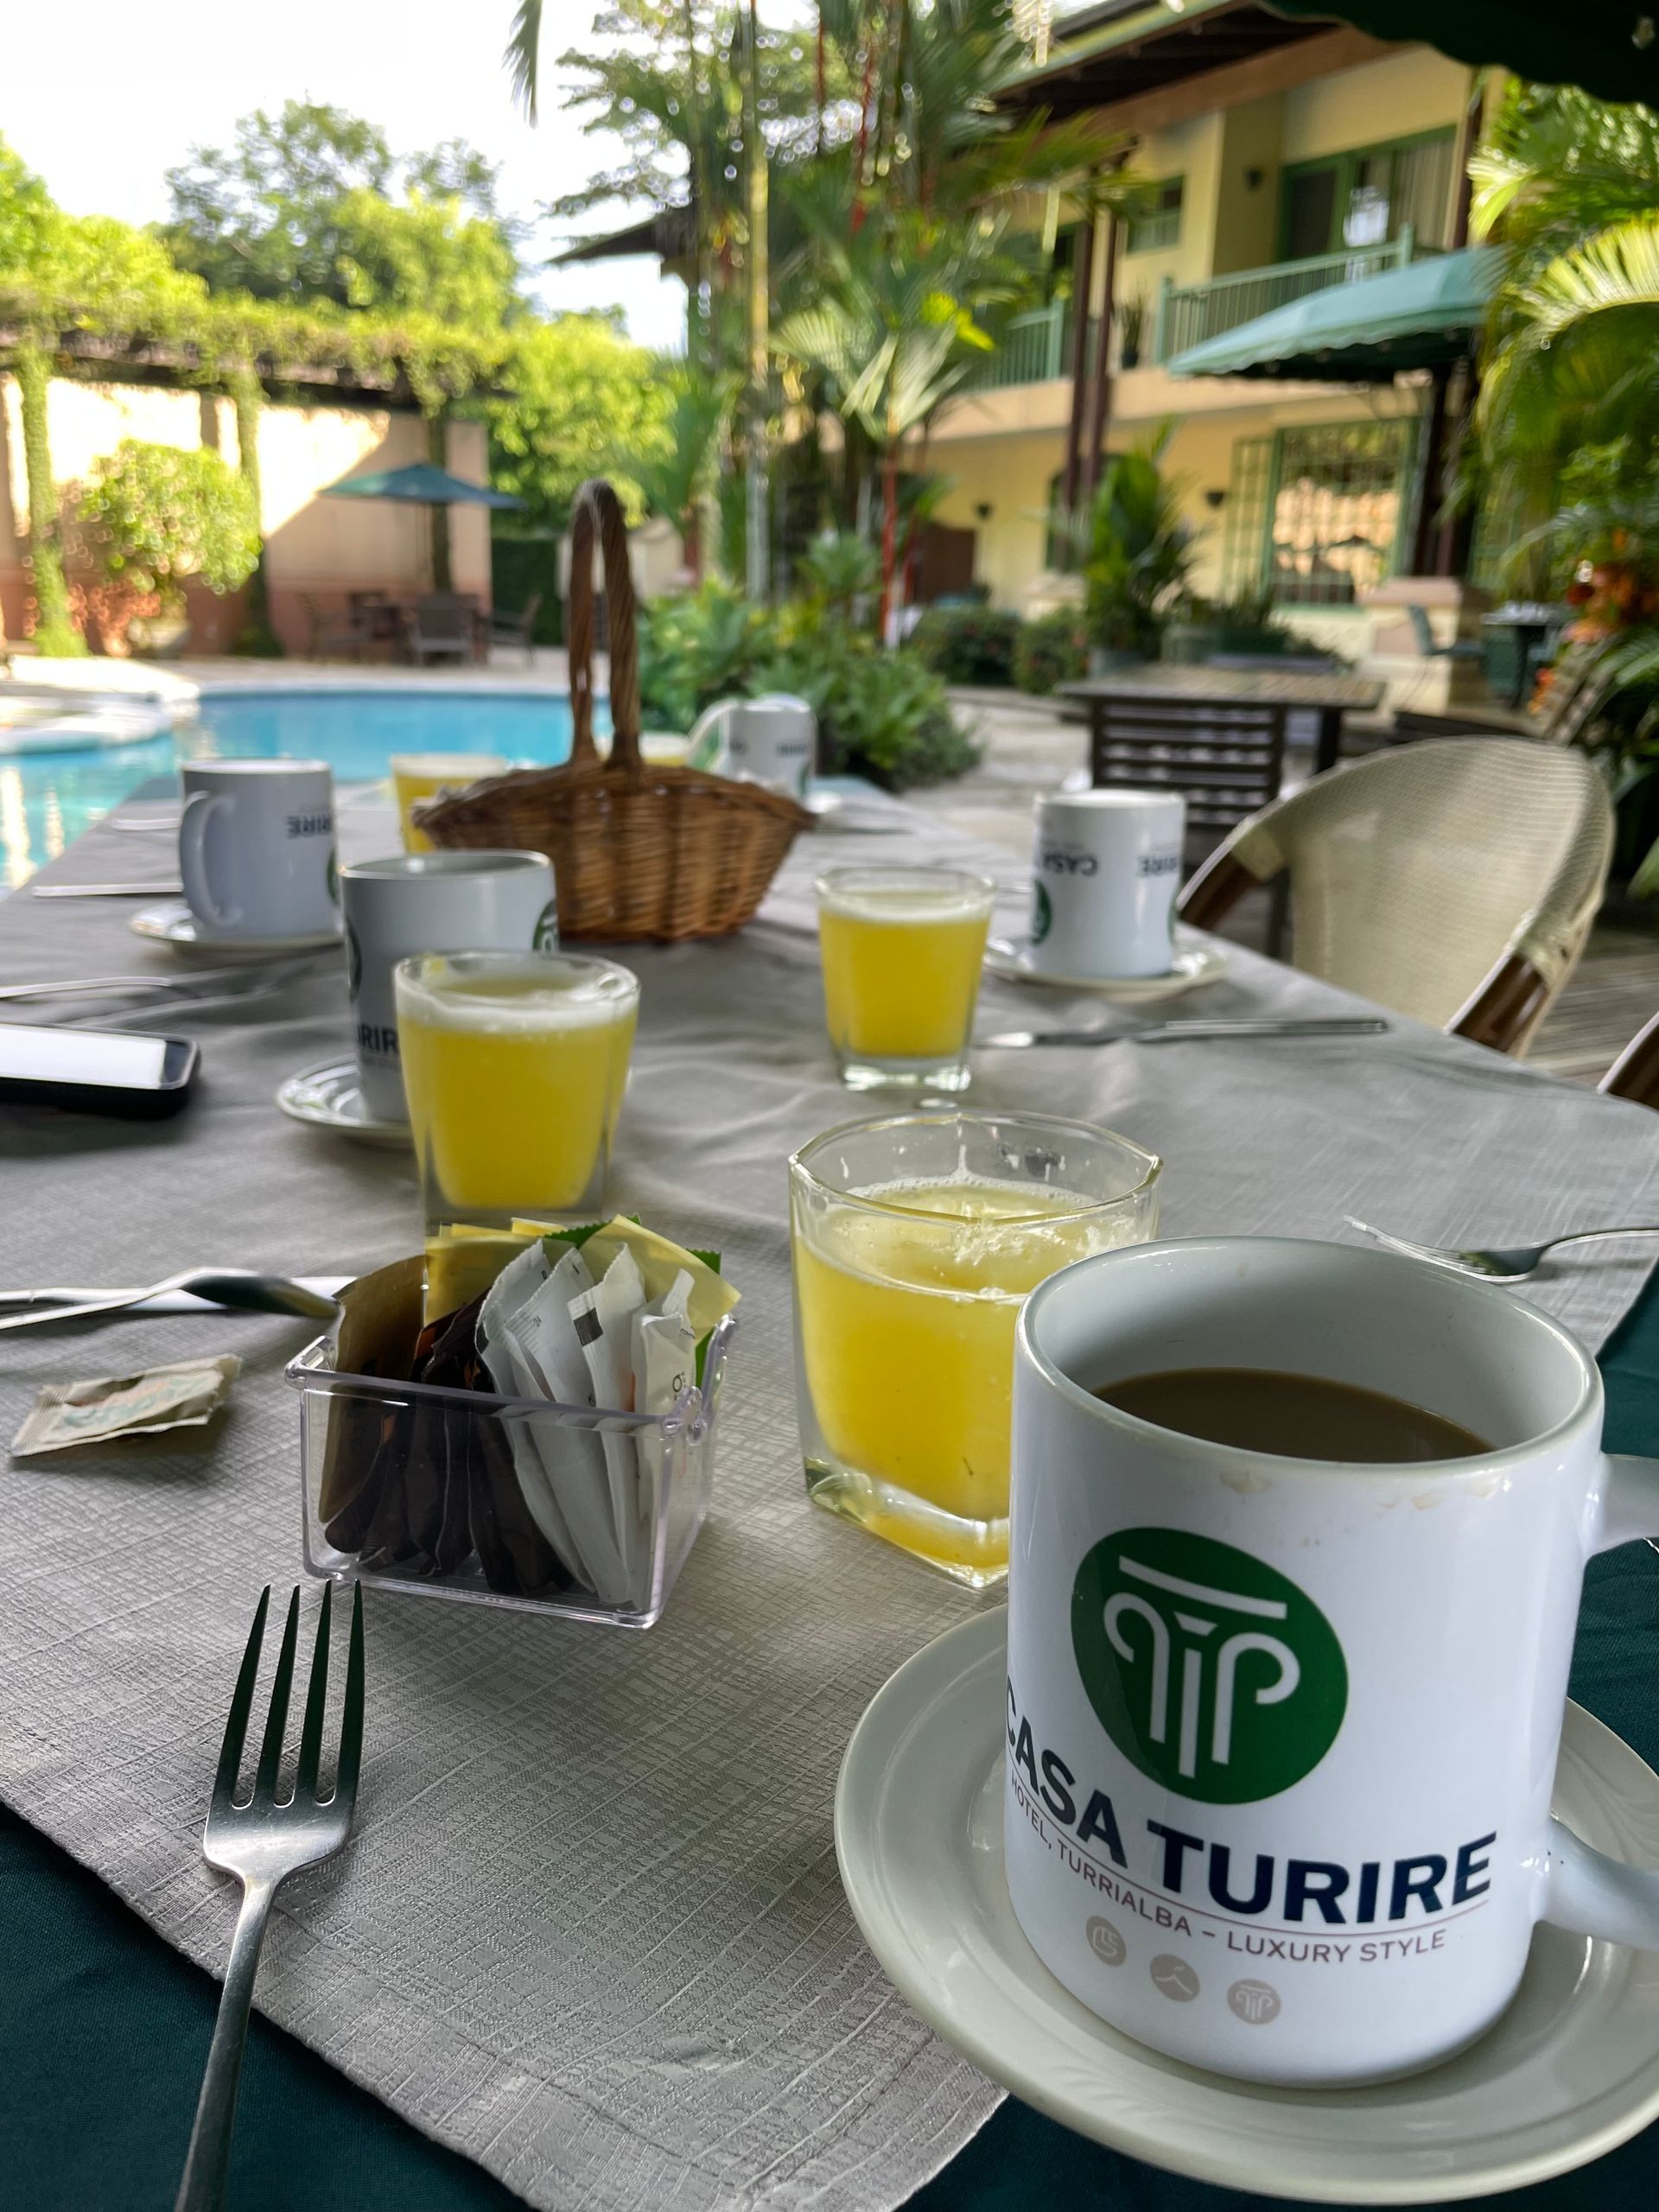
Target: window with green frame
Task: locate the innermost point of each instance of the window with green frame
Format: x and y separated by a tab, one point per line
1159	223
1317	513
1368	195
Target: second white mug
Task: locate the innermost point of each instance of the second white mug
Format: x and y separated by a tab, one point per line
256	847
412	903
1104	874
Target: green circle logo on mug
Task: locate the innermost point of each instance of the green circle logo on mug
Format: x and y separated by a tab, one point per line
545	936
1042	911
1209	1670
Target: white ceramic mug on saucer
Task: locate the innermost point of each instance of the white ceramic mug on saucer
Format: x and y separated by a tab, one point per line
256	847
772	741
1281	1733
412	903
1105	870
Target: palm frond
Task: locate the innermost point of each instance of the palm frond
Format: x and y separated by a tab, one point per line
523	55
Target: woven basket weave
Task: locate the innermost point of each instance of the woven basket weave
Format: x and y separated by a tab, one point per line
638	850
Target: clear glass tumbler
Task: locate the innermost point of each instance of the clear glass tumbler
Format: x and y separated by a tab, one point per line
916	1239
902	949
514	1065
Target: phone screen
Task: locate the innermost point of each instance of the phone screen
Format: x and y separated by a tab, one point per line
110	1061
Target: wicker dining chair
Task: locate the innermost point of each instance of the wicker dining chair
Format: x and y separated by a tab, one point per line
1635	1073
1454	880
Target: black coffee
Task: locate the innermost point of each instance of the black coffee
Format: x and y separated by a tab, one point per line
1294	1416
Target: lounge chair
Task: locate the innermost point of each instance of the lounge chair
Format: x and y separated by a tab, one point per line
517	629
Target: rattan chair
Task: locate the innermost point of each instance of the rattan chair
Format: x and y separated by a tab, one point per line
1635	1073
1455	881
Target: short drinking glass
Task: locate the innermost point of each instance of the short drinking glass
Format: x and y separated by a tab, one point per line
916	1239
514	1065
902	949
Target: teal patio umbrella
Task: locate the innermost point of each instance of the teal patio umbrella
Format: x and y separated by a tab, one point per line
422	484
1607	46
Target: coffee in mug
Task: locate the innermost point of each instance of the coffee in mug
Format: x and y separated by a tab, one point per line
1104	874
257	849
410	902
1282	1712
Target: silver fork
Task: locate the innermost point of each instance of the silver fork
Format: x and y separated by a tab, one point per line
261	1843
1496	1262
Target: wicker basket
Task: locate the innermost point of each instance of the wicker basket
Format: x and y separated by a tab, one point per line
639	851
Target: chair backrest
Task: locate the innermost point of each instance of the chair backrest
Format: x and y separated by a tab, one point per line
1414	873
1635	1073
1422	629
1225	758
443	619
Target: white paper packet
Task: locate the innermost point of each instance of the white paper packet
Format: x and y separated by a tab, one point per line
574	1458
664	1362
499	1320
69	1414
602	1318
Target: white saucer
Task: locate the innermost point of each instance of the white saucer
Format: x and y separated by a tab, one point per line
1570	2071
174	924
330	1098
1197	961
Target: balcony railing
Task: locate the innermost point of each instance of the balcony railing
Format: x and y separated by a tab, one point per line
1188	313
1033	348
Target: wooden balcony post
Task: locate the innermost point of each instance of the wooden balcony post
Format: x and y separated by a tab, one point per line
1102	408
1160	328
1083	287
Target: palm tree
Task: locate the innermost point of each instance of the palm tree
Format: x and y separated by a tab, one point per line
893	333
1569	189
674	479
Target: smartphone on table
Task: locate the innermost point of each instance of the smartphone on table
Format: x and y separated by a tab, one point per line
117	1071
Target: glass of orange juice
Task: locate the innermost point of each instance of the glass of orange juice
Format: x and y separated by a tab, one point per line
916	1239
514	1066
901	950
424	775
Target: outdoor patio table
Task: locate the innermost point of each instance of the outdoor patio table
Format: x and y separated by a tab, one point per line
1329	697
126	1584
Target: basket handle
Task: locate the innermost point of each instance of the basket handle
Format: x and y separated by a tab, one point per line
598	508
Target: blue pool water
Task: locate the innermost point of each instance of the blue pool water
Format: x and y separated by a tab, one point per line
47	798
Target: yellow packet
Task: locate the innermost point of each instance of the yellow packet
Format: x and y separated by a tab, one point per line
660	1260
460	1261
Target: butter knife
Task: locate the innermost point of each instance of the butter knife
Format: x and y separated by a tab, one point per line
1173	1033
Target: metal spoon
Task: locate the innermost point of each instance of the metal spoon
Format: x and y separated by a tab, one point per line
233	1286
1172	1032
1496	1262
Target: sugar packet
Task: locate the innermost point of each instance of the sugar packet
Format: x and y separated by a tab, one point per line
68	1414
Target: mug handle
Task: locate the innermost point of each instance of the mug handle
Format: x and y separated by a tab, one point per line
199	811
1584	1889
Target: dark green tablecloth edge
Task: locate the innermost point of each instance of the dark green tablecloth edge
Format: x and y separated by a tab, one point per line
104	2028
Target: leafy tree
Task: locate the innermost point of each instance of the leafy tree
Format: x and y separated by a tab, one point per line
311	204
582	396
159	517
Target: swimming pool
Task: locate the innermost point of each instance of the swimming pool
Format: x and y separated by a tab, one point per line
49	797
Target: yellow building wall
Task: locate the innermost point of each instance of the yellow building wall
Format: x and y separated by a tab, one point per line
1417	89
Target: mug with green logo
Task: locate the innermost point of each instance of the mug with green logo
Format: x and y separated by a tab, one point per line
1281	1731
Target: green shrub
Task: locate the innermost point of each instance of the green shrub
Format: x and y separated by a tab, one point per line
159	517
1050	650
881	715
968	645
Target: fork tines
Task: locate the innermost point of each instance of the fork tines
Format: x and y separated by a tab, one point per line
348	1761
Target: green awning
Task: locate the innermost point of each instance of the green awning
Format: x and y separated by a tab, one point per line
1410	318
1606	46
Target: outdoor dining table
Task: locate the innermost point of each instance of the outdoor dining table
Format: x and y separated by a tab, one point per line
1328	697
589	1945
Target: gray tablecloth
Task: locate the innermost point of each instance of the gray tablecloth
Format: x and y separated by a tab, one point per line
590	1931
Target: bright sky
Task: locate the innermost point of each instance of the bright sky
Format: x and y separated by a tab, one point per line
100	98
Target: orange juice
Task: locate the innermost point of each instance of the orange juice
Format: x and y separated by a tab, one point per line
901	950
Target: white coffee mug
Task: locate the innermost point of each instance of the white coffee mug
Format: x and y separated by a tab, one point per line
772	741
1282	1732
256	847
411	903
1104	874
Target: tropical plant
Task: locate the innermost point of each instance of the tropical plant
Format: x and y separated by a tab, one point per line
839	572
675	472
1140	550
1051	649
158	517
968	645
